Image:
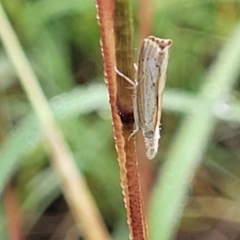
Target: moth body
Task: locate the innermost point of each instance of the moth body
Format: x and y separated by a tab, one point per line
148	90
151	78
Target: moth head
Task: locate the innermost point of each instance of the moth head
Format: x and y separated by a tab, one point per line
162	43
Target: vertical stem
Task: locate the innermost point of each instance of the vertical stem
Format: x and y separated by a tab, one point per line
124	61
73	184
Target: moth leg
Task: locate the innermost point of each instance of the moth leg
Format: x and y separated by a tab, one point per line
125	77
135	67
136	118
135	131
134	102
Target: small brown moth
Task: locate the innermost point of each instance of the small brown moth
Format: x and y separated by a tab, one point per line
148	90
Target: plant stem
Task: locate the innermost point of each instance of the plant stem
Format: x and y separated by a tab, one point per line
73	184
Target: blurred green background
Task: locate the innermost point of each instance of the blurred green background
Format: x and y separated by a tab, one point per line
61	40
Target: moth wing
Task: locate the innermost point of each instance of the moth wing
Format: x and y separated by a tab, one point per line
164	45
147	85
155	72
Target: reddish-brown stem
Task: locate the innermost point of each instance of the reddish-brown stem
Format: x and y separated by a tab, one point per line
114	18
12	208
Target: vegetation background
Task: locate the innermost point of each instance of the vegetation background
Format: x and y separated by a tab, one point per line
61	40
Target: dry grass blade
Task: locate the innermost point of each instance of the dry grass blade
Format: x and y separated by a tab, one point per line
73	184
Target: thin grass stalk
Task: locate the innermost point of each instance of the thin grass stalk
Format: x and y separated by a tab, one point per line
73	184
114	17
124	61
13	213
191	143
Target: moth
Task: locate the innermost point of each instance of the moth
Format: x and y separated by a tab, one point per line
148	90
